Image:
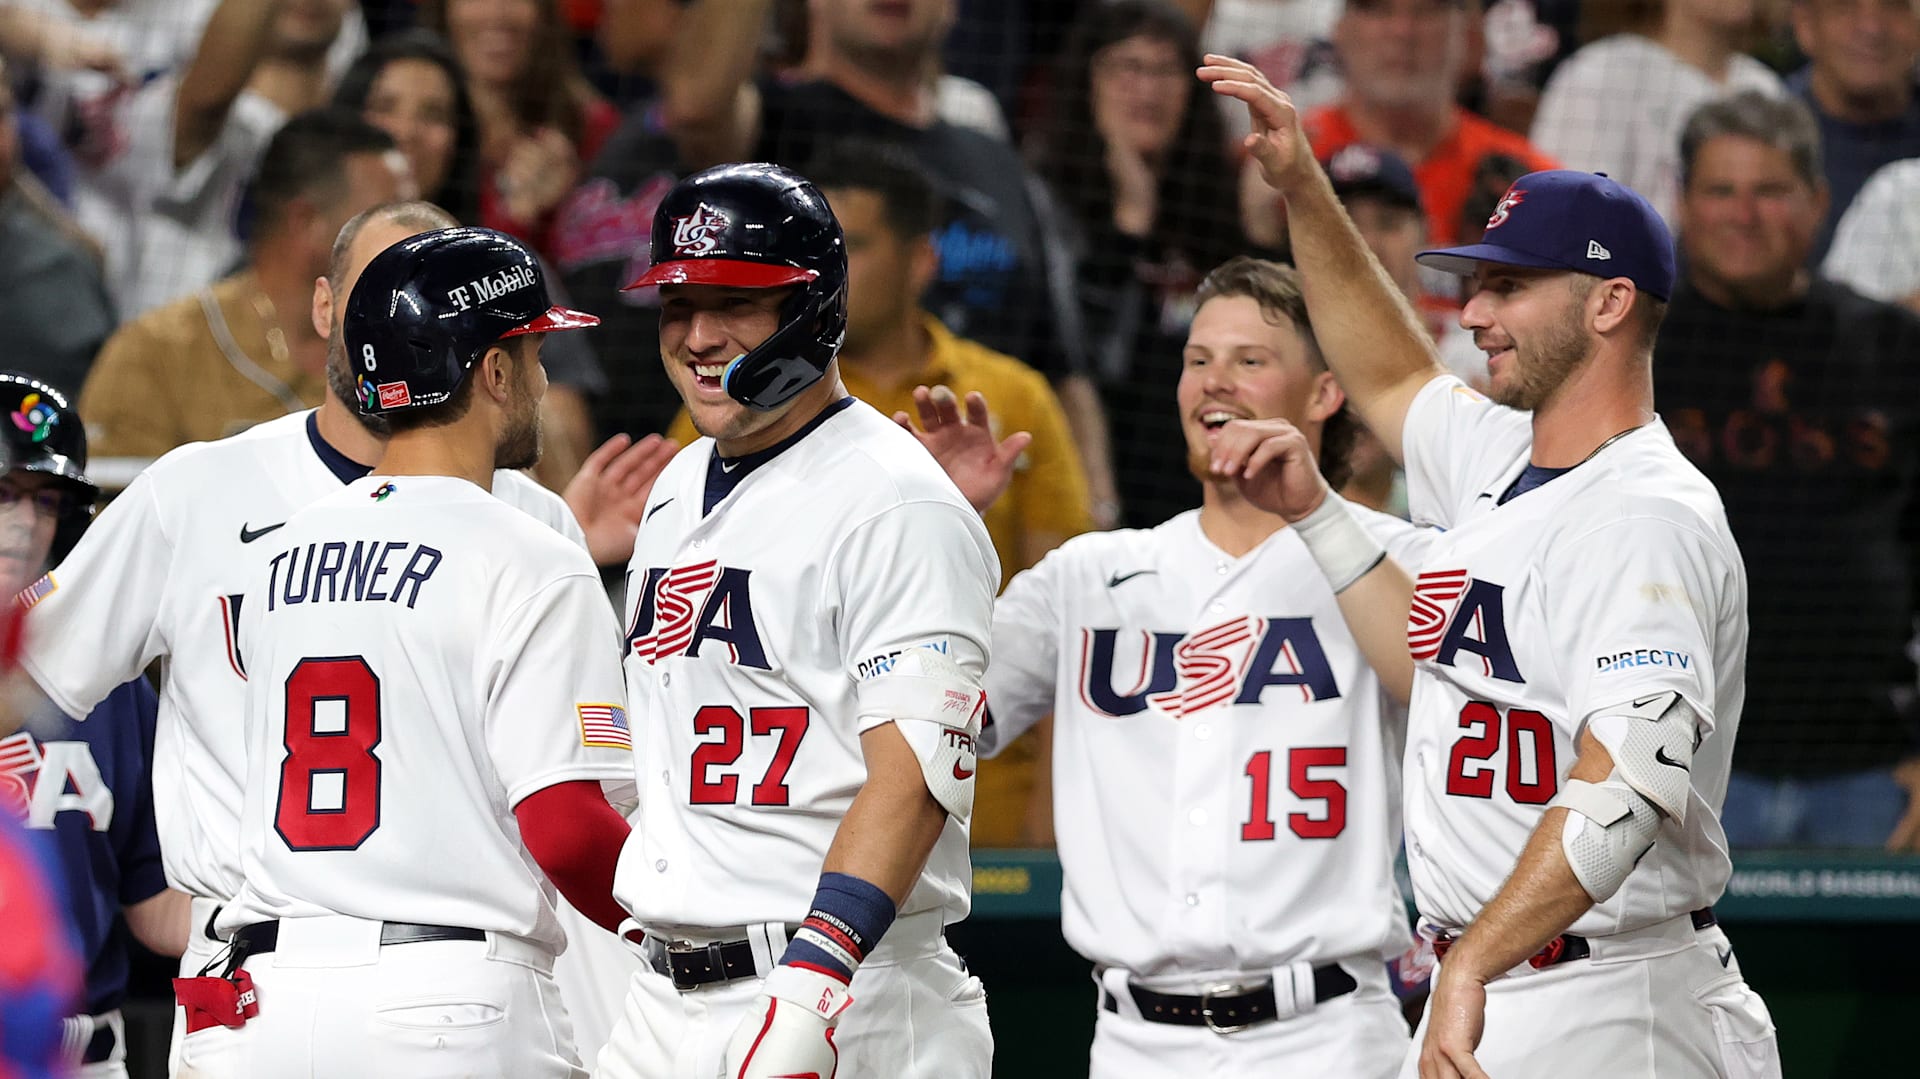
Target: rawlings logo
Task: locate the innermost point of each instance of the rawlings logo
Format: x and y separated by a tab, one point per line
698	233
1504	209
394	395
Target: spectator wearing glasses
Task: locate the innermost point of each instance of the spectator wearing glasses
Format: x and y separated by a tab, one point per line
1137	157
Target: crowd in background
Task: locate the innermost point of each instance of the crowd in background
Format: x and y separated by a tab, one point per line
1032	191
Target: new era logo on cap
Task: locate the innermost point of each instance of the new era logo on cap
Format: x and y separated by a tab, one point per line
1619	232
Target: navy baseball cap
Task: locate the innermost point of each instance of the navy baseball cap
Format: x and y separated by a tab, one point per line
1585	222
1362	170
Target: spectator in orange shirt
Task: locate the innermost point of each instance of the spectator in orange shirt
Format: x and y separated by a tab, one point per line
1402	60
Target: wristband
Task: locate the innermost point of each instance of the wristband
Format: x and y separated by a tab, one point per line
848	918
1339	543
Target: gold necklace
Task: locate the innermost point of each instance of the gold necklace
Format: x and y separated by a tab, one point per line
1608	442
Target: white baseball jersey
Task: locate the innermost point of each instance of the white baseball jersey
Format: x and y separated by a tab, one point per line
161	574
753	628
420	656
1616	580
1225	764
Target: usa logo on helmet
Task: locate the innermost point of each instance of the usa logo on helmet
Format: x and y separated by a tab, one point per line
698	233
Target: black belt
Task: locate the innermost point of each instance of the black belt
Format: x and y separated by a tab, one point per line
694	965
100	1049
1229	1011
1568	947
262	937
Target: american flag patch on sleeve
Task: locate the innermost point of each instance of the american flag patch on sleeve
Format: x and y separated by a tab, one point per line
604	725
35	592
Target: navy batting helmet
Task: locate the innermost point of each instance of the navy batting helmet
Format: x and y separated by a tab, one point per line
425	309
43	434
760	226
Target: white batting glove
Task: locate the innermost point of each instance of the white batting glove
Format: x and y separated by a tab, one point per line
788	1033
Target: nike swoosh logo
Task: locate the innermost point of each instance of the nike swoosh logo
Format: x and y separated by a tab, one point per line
658	506
1118	579
1644	701
729	466
1661	756
1726	957
961	774
248	535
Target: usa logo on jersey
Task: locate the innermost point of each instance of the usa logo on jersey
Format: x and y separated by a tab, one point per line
1233	662
1453	612
684	607
41	779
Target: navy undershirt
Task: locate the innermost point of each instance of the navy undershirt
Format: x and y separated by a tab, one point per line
1529	478
724	474
342	466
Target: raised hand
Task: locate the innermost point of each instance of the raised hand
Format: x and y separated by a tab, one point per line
1272	464
965	448
1276	141
608	496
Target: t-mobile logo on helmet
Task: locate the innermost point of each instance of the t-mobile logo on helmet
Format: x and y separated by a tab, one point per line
698	233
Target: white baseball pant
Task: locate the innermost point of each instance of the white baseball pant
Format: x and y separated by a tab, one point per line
335	1002
1360	1035
1656	1001
916	1014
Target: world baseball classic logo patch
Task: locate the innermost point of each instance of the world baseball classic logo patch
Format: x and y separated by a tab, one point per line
604	725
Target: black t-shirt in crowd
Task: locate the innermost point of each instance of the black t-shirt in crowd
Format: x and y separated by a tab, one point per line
996	285
1805	419
599	244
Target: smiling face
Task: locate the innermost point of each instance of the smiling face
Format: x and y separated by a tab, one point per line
1748	218
415	101
1242	363
703	328
1867	48
1532	325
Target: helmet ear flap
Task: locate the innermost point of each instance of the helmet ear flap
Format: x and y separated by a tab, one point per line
796	356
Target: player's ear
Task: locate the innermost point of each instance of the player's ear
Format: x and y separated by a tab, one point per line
1327	397
495	371
322	313
1609	305
923	265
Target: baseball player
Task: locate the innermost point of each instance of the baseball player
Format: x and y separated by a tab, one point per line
83	784
1578	630
432	709
1225	766
807	623
161	573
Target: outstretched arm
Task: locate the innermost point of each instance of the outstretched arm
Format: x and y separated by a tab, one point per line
1368	332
